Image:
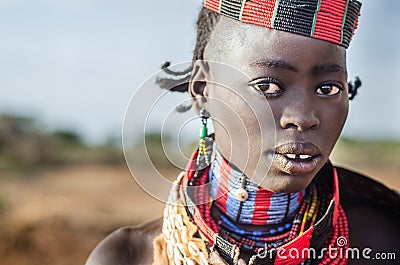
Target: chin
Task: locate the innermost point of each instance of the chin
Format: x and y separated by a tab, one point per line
284	183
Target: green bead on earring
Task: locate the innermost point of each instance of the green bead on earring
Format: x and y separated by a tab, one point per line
205	144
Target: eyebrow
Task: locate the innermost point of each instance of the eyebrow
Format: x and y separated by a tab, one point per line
274	64
328	68
318	69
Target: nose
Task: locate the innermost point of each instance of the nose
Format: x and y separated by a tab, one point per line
300	114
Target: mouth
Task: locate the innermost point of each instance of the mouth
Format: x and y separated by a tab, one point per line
297	158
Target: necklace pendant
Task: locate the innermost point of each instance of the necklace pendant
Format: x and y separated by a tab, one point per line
241	194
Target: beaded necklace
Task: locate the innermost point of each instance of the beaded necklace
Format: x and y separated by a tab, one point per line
311	227
260	207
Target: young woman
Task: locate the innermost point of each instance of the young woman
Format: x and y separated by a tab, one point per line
243	200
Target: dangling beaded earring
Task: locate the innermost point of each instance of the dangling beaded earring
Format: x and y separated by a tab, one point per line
205	144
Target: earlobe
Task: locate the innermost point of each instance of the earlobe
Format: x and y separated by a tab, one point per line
198	83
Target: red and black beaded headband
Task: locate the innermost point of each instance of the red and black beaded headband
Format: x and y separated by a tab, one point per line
330	20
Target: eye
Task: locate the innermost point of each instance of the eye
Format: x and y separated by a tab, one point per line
329	90
267	86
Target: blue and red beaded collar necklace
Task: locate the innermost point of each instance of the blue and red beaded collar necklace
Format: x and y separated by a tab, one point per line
244	201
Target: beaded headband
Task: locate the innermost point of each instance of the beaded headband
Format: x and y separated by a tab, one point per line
330	20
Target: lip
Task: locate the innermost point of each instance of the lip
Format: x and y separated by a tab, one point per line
297	166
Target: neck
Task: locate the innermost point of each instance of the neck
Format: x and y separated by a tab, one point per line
236	198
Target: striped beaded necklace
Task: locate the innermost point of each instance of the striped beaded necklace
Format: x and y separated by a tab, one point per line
260	207
316	223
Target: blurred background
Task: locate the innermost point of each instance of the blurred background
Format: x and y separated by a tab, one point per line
68	69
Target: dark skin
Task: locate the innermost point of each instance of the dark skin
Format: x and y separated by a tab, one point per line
304	82
309	103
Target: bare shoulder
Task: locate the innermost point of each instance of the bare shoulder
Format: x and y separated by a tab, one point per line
127	245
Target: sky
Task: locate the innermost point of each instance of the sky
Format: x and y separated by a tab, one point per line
75	64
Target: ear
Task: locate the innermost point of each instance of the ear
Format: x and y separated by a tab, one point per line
198	88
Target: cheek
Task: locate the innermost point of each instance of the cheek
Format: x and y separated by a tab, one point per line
231	109
244	115
244	125
227	114
343	107
337	114
333	118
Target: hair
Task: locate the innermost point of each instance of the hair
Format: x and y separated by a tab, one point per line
353	88
206	22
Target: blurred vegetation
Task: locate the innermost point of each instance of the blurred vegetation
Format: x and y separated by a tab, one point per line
155	149
371	153
25	145
167	156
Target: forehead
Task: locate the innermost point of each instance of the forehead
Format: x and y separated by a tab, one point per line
240	44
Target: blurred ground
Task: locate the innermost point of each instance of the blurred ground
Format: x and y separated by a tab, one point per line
57	215
378	159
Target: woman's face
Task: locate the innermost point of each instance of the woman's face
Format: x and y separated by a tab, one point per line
302	81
